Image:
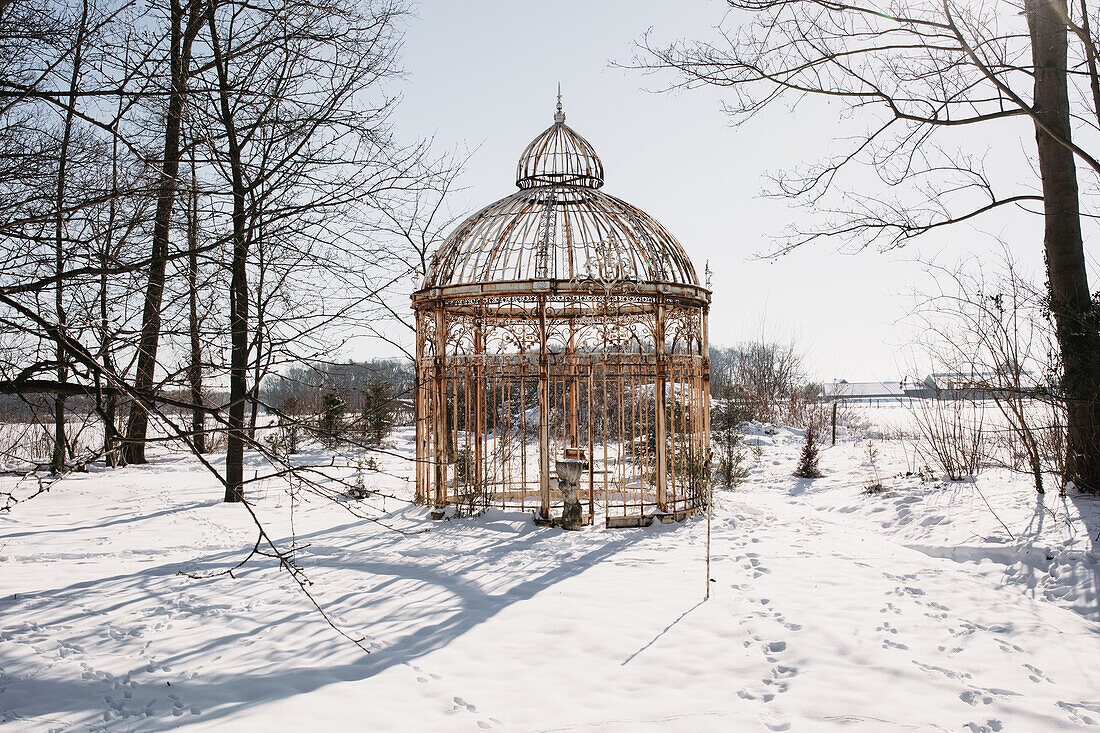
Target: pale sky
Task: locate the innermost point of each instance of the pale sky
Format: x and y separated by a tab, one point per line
482	76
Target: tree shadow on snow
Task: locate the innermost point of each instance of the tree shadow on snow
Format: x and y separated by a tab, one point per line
800	486
451	594
1088	508
126	518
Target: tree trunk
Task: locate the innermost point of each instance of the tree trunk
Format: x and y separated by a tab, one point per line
134	450
257	374
1070	302
257	368
238	359
194	369
238	290
107	402
57	460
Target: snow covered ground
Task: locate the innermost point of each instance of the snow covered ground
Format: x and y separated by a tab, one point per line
912	609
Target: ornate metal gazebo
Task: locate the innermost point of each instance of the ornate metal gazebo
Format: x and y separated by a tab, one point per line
561	323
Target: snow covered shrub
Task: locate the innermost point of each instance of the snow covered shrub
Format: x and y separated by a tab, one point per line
474	495
807	463
855	422
1036	441
464	466
359	488
727	442
730	470
951	436
378	412
876	486
757	449
694	469
38	444
992	329
286	438
330	426
290	426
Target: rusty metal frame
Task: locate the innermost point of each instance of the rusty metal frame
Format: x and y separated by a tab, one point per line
564	321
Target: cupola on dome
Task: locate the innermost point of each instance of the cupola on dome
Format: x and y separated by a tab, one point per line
559	156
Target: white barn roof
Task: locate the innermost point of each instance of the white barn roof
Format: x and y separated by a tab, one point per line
862	390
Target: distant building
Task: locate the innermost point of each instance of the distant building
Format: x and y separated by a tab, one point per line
846	391
972	386
952	381
940	385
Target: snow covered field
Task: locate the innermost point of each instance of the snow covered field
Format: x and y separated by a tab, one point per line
913	609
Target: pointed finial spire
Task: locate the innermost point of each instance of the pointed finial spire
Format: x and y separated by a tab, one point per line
559	116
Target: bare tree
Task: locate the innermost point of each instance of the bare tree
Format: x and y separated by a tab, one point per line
917	73
298	136
407	235
184	22
280	115
194	325
763	380
992	330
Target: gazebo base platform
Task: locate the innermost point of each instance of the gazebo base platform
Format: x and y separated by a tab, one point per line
613	522
645	520
678	516
586	519
637	520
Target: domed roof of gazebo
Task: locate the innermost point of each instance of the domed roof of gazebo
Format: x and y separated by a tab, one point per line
560	227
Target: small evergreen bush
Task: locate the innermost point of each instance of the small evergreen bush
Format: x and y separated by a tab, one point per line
331	426
807	463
